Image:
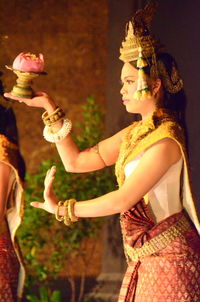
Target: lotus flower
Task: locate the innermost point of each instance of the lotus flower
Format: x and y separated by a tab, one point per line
28	62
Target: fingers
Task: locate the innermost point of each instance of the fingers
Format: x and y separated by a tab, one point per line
36	204
36	101
48	171
8	95
49	179
15	98
48	185
51	172
40	99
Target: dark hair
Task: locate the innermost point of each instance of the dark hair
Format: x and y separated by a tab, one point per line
8	128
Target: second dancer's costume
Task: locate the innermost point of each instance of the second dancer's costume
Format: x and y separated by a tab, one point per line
12	272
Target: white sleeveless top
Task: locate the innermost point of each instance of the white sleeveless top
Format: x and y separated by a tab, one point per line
164	197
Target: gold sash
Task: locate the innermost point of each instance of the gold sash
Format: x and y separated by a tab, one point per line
160	241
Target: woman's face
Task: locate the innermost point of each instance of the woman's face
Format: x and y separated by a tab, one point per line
129	77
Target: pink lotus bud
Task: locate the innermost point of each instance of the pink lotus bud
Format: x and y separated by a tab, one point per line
28	62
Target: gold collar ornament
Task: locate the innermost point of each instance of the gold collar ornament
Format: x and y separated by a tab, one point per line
141	46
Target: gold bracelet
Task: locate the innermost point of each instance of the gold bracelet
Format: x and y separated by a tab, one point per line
59	217
67	220
52	118
45	115
71	203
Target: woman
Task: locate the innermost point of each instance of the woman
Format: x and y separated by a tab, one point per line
154	198
11	208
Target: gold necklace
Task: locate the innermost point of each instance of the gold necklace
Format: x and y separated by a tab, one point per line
136	132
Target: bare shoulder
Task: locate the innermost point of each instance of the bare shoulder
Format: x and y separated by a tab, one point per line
5	172
4	167
166	148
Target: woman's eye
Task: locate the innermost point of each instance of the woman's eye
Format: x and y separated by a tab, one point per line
130	82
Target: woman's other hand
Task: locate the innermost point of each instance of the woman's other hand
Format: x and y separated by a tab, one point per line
41	100
50	199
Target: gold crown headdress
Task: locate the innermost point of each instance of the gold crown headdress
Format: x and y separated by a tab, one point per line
140	45
138	35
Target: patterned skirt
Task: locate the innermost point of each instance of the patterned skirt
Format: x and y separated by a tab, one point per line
172	274
9	269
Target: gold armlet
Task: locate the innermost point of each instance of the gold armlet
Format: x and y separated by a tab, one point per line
58	217
96	150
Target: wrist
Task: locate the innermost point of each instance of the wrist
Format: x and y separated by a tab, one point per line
50	106
64	211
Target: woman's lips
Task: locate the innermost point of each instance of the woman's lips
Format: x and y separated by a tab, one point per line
125	101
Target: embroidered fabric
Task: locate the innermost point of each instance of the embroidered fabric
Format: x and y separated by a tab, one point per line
9	268
173	272
9	154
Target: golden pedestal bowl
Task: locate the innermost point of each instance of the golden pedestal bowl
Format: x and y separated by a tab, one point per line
24	80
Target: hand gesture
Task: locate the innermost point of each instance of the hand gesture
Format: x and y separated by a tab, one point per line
50	199
41	100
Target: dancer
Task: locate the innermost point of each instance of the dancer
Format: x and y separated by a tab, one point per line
158	217
11	208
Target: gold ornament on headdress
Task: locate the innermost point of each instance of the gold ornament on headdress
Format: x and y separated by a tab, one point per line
138	35
143	90
140	45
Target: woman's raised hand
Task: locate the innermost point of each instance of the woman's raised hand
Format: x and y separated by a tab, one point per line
41	100
50	199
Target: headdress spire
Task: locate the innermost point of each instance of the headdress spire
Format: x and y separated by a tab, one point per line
138	35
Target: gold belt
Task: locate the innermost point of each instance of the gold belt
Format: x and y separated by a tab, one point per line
159	242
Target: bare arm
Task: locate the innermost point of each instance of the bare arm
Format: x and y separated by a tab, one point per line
5	172
89	159
73	159
153	165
